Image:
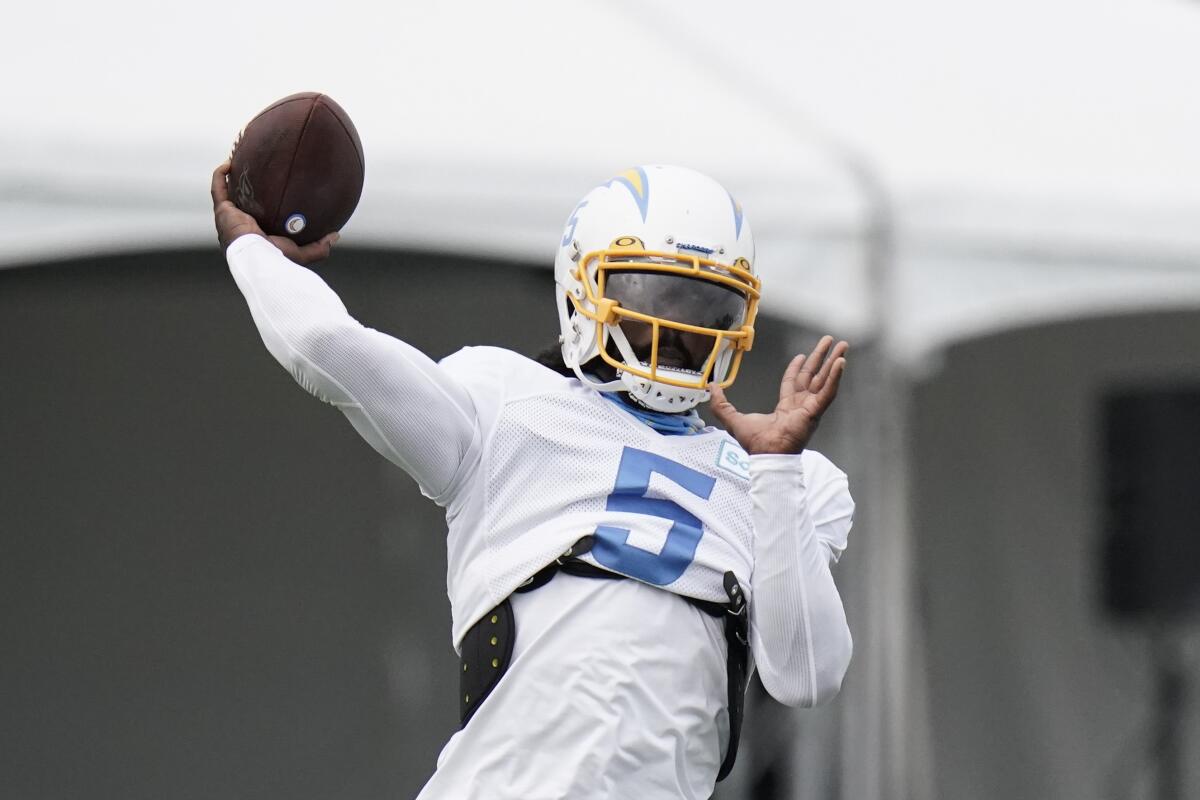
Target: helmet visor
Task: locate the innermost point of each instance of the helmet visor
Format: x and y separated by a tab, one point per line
677	298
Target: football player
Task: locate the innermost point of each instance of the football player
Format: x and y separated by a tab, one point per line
617	568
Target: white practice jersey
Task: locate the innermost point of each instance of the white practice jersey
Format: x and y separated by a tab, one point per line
616	688
557	461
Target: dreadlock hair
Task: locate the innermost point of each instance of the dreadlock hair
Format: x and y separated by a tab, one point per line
550	357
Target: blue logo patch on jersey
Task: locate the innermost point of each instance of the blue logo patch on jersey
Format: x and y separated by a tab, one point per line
732	458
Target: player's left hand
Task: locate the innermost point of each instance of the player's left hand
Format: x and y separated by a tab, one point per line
810	384
232	222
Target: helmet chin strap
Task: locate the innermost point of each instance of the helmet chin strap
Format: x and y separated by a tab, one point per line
661	396
591	382
651	394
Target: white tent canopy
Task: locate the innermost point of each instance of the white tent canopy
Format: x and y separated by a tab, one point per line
1038	159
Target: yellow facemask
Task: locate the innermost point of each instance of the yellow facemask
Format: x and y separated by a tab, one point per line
627	253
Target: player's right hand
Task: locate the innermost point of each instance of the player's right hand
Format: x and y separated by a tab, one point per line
232	222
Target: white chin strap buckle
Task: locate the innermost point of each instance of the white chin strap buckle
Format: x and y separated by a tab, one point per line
661	396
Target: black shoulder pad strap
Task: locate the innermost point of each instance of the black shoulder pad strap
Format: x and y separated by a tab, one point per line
738	645
486	653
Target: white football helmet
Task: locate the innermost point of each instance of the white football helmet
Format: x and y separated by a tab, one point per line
659	262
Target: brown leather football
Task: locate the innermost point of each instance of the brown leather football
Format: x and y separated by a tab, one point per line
298	167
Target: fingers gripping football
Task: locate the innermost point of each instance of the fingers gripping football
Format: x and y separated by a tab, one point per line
809	386
232	222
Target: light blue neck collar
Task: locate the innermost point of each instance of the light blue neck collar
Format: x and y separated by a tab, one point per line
667	424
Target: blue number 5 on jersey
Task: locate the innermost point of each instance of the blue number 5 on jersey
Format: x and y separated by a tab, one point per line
629	494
